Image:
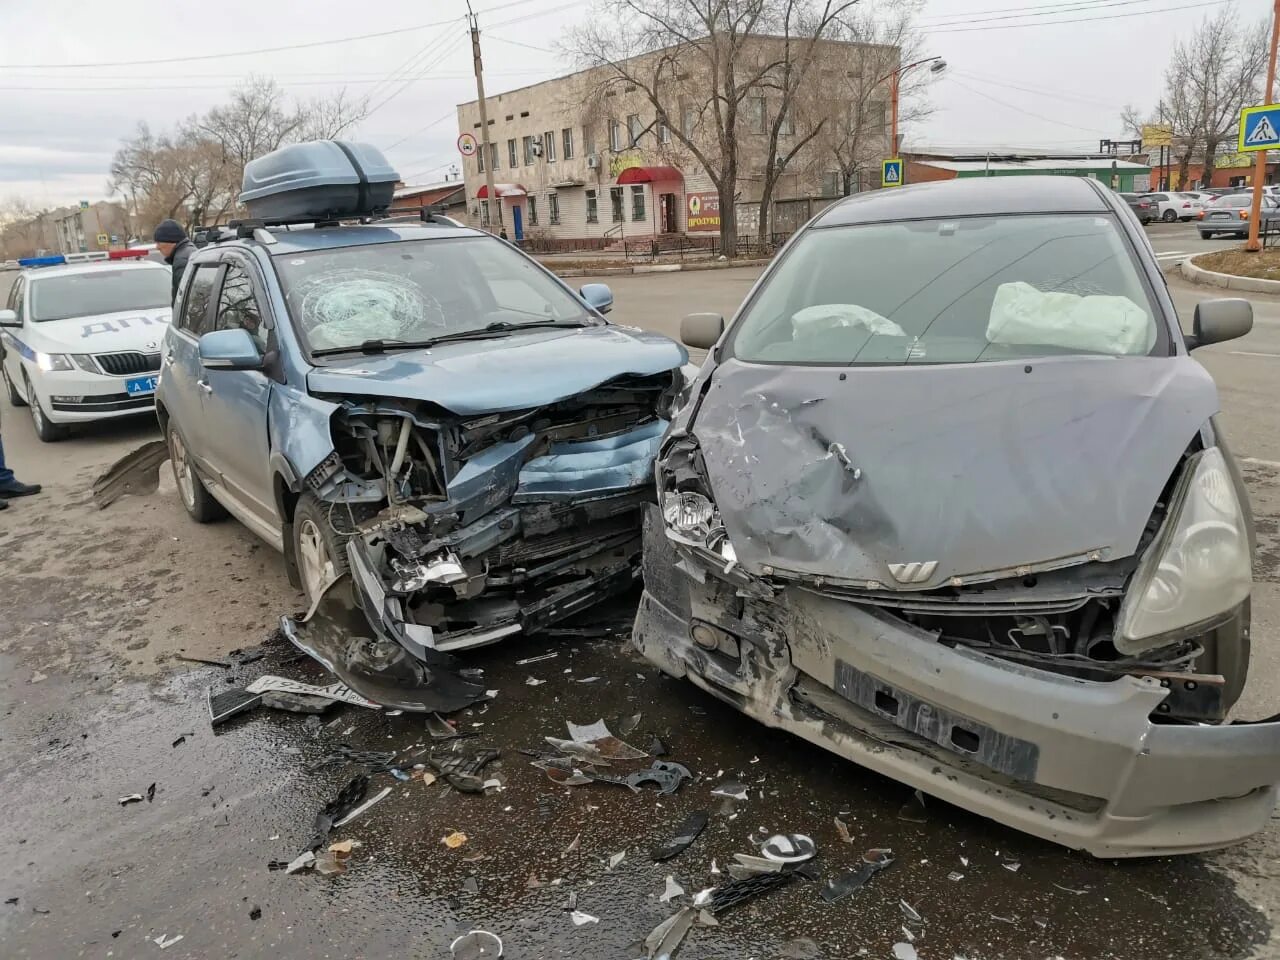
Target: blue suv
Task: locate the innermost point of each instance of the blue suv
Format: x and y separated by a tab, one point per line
423	420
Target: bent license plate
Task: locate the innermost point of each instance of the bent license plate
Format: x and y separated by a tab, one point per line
141	385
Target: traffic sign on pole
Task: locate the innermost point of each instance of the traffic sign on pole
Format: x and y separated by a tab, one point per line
891	173
467	145
1260	128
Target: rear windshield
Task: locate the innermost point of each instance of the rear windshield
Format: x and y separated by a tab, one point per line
98	291
414	290
951	291
1235	200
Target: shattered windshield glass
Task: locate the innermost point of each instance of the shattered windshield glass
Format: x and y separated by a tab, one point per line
416	290
961	290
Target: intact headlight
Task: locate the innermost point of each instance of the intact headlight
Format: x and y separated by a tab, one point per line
1199	564
52	361
84	361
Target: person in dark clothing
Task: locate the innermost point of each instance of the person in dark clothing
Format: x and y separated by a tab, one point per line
171	240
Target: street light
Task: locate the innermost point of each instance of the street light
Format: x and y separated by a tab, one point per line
936	66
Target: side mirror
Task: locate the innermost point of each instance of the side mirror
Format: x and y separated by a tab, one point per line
598	296
229	350
1219	320
9	319
701	330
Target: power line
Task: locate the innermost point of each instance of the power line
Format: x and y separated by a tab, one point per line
247	53
402	69
1038	91
443	54
422	130
1052	23
1070	6
1017	109
517	43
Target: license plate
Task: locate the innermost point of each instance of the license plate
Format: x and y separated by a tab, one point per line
140	385
1219	216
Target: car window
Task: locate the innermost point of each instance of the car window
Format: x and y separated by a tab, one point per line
16	297
195	308
415	290
98	291
951	291
238	306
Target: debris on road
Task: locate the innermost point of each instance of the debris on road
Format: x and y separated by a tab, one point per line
842	829
913	811
229	703
303	861
873	861
363	807
255	913
667	775
616	859
440	728
461	765
730	790
581	919
164	942
136	473
905	951
791	848
297	702
666	937
735	892
338	692
671	890
131	798
476	945
179	742
151	793
528	660
686	833
347	800
454	840
377	761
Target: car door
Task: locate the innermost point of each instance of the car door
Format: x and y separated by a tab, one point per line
235	401
180	372
12	338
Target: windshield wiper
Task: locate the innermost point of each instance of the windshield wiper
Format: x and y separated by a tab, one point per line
497	329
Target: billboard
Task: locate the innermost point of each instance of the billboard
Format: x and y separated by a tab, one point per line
703	211
1157	135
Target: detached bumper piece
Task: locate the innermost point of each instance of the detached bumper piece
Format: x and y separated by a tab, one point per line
1079	762
377	664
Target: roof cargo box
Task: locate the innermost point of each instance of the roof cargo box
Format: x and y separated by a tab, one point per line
320	180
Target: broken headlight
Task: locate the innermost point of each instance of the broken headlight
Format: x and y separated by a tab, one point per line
694	517
1199	565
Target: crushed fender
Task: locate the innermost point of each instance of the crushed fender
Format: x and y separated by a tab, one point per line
387	670
136	473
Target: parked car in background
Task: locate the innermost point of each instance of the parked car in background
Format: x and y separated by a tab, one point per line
1143	207
1022	633
1176	206
1230	215
80	337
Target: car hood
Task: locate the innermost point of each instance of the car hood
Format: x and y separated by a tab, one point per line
507	373
141	330
970	471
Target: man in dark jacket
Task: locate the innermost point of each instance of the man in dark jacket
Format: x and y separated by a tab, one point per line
171	241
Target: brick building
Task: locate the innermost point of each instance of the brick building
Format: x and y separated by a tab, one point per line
582	160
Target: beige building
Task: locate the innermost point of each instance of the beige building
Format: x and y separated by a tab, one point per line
583	160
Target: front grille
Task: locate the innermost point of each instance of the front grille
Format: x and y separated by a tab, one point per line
106	403
127	364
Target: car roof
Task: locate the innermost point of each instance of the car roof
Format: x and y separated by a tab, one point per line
91	266
297	240
976	196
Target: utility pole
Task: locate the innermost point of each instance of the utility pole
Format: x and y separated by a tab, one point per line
486	152
1260	161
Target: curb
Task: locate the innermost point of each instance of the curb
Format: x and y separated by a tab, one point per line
1227	281
651	268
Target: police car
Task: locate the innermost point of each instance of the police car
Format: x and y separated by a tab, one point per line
81	337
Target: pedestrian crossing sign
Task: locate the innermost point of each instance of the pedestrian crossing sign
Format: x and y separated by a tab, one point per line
1260	128
891	173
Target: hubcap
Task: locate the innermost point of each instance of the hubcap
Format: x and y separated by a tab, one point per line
182	470
37	415
314	564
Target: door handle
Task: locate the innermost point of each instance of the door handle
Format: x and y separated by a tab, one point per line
204	385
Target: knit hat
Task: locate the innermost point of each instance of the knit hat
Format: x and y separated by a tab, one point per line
170	231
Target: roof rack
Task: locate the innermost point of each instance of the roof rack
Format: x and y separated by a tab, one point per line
257	228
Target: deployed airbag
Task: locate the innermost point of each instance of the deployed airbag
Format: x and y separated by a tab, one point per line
1022	315
828	316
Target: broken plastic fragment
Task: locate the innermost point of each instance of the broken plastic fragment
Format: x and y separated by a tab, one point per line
671	891
791	848
454	840
574	845
528	660
363	807
476	945
580	919
731	789
668	776
843	830
953	875
1013	866
229	703
131	798
440	728
604	742
334	691
757	864
873	861
911	913
705	919
686	833
616	859
534	682
735	892
913	810
302	862
666	937
905	951
165	942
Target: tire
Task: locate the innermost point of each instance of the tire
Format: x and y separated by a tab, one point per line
1168	216
46	430
15	397
319	549
1206	234
191	489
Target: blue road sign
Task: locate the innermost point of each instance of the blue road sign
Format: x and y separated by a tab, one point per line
891	173
1260	128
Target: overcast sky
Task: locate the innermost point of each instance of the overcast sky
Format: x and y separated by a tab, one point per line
1019	72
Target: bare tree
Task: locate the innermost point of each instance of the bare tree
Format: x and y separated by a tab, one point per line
695	63
327	118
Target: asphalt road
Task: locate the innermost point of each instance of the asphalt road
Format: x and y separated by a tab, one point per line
99	607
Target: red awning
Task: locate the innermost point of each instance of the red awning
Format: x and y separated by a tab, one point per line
503	190
649	174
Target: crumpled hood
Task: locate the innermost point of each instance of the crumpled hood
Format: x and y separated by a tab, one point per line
506	373
980	467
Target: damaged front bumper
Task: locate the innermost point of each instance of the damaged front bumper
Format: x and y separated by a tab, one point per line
1075	761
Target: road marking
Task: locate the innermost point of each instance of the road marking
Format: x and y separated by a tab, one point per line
1250	353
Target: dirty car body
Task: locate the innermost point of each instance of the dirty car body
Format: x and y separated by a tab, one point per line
429	409
949	499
